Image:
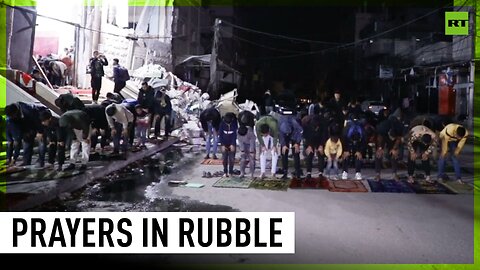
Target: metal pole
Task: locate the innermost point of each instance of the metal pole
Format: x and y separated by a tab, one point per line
213	61
76	56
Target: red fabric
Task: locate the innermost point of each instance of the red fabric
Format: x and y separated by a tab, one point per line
67	61
26	79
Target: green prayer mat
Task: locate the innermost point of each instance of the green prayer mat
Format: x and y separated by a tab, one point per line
11	170
458	187
270	184
233	182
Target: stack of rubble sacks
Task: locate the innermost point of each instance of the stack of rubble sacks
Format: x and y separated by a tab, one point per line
188	101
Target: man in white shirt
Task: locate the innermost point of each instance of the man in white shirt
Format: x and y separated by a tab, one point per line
120	120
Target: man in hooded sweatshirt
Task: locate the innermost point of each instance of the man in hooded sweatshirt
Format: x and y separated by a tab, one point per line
228	139
290	136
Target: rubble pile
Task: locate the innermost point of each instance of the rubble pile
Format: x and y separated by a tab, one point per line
188	100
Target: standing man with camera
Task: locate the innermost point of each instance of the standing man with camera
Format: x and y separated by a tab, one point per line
96	72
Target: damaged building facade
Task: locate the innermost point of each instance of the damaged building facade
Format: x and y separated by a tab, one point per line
153	33
433	70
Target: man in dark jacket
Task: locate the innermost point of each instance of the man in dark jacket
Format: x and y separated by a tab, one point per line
24	119
210	120
315	133
268	102
96	72
51	140
354	148
228	139
120	77
290	135
99	122
146	96
78	122
68	102
162	110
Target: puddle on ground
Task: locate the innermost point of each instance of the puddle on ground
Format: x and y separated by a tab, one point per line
141	186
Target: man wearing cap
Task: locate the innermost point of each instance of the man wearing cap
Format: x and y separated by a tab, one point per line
421	142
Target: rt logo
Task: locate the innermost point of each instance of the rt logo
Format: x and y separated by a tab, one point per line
456	23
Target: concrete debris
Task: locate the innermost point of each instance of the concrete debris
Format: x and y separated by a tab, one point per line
188	100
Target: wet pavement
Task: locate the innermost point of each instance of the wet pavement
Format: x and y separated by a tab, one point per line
25	194
331	227
140	186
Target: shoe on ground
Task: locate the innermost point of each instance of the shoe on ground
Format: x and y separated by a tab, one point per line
83	167
460	181
226	175
59	168
344	175
214	156
209	175
358	176
308	177
395	177
320	175
70	167
284	177
377	177
207	157
334	178
242	175
411	180
262	176
39	166
429	179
